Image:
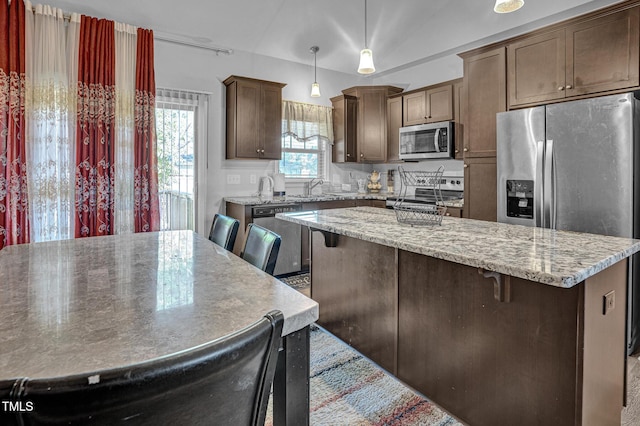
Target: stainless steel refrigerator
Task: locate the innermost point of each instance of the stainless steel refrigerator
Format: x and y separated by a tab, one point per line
573	166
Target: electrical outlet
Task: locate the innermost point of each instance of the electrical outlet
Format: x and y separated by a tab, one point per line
233	179
608	302
252	179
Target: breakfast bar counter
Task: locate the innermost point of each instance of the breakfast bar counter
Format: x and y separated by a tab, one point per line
496	323
83	305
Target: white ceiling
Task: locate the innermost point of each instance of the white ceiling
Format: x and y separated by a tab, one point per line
401	33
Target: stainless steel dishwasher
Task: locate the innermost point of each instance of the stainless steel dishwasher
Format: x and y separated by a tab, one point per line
289	257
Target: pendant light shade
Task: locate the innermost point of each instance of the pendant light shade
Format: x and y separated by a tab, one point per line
315	90
506	6
366	55
366	62
315	87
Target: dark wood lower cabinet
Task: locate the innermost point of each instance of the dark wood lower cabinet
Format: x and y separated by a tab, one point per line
544	356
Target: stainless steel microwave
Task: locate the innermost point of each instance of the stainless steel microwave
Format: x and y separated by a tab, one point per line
433	140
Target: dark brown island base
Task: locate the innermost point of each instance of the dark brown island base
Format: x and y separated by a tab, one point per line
498	324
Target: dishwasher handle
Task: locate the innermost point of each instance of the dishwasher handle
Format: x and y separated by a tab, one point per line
270	210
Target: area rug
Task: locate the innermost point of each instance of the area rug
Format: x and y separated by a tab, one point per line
348	389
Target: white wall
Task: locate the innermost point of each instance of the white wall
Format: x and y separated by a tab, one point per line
426	74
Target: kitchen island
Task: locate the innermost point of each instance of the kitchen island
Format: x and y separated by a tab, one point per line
497	323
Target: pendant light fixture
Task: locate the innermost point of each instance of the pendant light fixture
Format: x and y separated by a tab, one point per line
506	6
366	55
315	87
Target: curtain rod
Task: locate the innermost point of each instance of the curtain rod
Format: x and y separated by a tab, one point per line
172	39
166	37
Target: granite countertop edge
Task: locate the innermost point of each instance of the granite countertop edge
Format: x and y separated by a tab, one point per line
256	200
565	276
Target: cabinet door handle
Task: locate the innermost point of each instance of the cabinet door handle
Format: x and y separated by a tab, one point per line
348	155
457	151
568	86
447	214
465	166
262	151
560	88
258	150
466	149
361	155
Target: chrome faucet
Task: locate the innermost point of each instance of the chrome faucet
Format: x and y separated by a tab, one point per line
308	186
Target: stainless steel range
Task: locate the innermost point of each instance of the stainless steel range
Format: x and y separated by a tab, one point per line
451	188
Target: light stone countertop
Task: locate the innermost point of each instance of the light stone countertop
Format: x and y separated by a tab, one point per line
77	306
558	258
255	200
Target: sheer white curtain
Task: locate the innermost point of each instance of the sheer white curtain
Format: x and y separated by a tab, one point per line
126	44
52	58
51	80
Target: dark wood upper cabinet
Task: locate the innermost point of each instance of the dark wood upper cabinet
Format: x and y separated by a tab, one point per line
345	128
428	106
484	96
602	54
394	122
596	55
537	68
372	121
254	118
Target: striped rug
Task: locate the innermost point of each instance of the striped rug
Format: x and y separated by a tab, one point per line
348	389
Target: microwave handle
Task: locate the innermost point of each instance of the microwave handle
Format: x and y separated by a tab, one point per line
436	137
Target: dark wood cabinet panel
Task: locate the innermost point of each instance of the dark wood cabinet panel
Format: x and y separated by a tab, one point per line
454	212
537	68
394	122
461	347
241	212
345	128
593	56
439	104
358	299
602	54
458	117
271	109
372	134
414	108
480	186
428	106
484	96
372	121
254	118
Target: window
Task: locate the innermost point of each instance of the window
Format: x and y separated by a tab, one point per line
307	135
302	159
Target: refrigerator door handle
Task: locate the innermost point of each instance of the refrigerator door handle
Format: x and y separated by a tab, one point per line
549	189
538	197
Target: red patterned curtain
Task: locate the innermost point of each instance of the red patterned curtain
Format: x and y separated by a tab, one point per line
14	222
147	210
95	128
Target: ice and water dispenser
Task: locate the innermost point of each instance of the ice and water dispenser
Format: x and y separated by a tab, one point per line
520	199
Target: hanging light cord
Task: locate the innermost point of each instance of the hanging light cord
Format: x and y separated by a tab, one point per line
365	24
315	67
